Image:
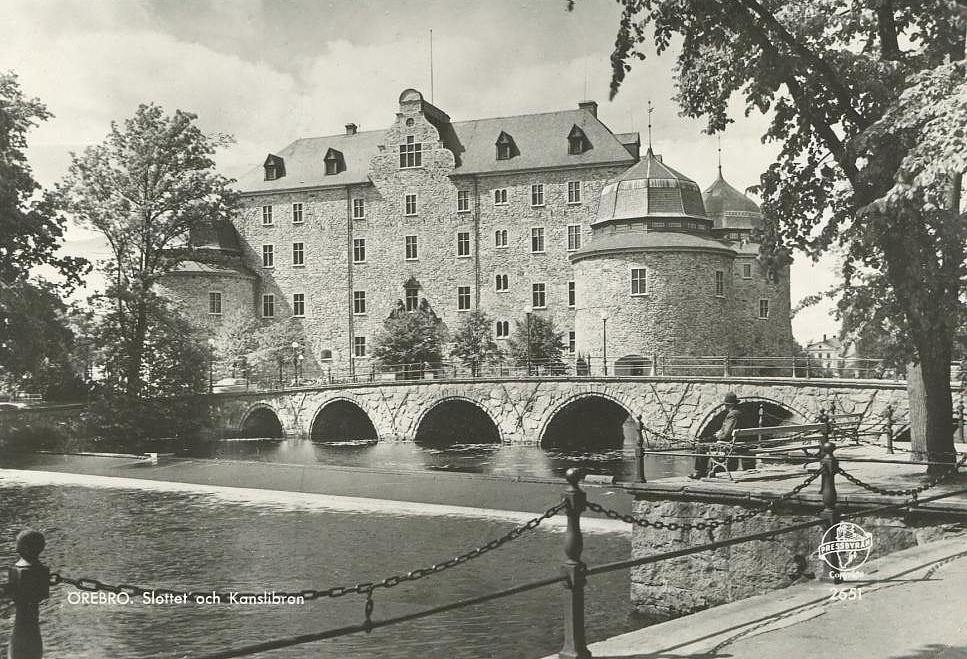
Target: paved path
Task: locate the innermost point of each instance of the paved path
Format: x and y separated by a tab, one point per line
914	606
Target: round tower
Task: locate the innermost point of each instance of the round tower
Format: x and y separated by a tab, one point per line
655	278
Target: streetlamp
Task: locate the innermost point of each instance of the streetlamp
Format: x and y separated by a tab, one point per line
527	315
296	358
211	366
604	341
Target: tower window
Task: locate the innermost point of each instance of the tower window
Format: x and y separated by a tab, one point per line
719	283
571	294
763	309
411	153
571	341
639	281
215	303
746	271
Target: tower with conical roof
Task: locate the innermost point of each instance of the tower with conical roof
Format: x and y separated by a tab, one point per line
670	271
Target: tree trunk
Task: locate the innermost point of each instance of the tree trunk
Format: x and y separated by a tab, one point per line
136	351
931	411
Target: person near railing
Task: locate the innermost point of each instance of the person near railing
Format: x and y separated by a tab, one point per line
730	424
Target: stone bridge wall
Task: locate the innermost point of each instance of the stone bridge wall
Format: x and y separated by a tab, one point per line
521	409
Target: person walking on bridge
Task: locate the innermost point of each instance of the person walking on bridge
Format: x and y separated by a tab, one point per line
730	424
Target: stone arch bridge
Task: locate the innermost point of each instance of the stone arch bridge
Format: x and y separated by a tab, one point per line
565	412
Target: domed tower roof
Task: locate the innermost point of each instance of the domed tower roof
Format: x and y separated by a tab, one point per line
729	208
651	189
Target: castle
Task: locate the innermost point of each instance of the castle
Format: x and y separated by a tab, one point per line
548	213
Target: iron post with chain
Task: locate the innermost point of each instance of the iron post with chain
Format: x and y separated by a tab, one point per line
28	585
830	514
889	429
575	644
640	453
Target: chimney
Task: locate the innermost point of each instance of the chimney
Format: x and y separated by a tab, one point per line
824	337
351	129
590	106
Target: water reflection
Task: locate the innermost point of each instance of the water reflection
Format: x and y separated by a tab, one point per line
488	459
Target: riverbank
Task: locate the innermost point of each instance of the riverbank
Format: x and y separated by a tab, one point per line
511	493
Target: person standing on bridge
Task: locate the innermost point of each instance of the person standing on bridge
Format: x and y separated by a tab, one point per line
730	424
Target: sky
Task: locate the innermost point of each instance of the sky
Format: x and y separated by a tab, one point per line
270	71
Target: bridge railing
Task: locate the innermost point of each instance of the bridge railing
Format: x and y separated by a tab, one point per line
30	581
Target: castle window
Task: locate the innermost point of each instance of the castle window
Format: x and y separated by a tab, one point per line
502	328
577	141
274	167
763	309
501	284
268	306
298	254
299	304
463	243
571	294
746	271
359	303
409	203
574	192
537	194
463	201
639	281
500	196
537	240
325	355
335	162
463	298
297	213
571	341
359	346
266	216
539	296
359	209
411	248
771	276
412	297
719	283
411	153
573	237
268	256
500	238
506	148
359	250
215	303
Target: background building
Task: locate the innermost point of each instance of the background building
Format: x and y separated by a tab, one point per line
547	213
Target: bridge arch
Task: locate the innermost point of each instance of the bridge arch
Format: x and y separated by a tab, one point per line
590	420
342	419
456	420
261	420
775	413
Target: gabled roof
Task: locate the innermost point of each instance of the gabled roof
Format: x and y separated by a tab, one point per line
540	140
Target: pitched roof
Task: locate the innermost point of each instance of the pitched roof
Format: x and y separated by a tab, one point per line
540	139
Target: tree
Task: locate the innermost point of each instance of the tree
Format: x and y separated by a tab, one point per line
538	332
411	338
236	342
867	100
474	344
273	346
144	188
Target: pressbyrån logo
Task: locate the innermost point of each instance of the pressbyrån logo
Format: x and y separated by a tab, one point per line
845	546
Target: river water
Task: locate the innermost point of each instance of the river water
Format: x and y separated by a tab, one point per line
182	536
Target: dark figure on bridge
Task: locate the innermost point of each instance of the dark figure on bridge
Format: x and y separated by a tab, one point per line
731	423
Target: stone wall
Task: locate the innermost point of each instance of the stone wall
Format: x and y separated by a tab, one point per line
684	585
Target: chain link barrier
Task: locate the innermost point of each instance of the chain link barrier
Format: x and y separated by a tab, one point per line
366	588
909	491
704	526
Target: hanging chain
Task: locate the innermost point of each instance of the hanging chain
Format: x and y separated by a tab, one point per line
907	492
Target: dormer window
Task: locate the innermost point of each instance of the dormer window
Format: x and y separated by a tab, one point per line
335	162
577	141
274	167
506	148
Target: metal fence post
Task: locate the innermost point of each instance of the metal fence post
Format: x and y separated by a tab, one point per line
725	366
830	514
28	585
575	644
960	421
640	453
889	428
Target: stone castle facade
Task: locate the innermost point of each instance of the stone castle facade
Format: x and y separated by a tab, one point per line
547	213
